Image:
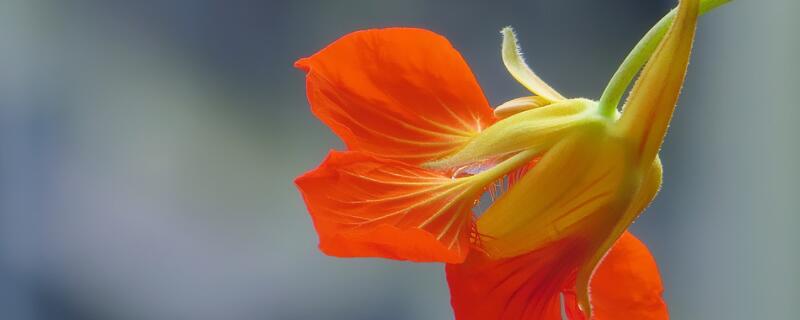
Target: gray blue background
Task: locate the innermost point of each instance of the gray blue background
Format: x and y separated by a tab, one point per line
148	148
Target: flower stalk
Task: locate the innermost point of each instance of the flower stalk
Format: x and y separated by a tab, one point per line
640	54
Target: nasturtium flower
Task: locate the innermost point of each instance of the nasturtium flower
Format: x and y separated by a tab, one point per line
423	146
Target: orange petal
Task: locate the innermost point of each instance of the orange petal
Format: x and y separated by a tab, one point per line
526	287
364	206
398	93
626	285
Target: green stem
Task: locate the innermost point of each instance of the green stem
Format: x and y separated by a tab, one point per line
639	56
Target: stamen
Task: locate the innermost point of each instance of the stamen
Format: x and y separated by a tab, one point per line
514	106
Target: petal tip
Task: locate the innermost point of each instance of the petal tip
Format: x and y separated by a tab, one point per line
303	179
303	64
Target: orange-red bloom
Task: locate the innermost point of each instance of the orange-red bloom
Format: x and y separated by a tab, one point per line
423	145
625	286
398	98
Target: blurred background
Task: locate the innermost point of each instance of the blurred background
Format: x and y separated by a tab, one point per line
148	148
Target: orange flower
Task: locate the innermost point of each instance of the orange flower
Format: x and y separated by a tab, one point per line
424	145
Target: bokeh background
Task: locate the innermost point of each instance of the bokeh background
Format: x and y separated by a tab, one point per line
148	148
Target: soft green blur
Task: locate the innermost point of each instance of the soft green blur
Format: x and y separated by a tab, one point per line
148	148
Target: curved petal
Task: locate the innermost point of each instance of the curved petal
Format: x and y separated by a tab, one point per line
398	93
647	191
626	285
526	287
363	206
